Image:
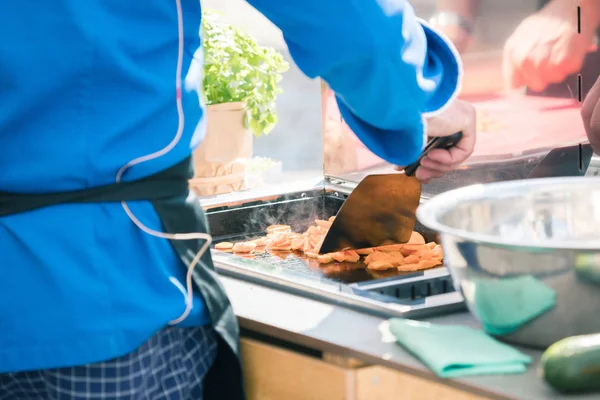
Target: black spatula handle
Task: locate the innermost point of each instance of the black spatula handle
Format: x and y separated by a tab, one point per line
441	142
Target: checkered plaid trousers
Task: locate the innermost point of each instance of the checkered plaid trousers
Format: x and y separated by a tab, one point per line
171	365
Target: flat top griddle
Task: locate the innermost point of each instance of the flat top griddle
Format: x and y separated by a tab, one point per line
249	221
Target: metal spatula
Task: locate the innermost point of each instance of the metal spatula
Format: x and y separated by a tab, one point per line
381	209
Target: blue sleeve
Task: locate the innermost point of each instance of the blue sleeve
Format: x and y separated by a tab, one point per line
386	67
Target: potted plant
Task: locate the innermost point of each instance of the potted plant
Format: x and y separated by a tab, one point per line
240	85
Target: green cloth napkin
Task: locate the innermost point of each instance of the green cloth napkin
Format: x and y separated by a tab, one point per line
457	351
505	305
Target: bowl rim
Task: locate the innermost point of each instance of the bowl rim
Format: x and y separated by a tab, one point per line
430	211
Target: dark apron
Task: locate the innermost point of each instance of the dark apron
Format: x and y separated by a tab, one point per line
590	70
180	212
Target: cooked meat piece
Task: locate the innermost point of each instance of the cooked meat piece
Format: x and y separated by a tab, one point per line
275	239
413	249
278	228
390	247
282	248
298	244
381	265
423	264
224	246
313	230
416	238
389	257
244	247
325	258
279	245
306	247
351	256
364	252
323	224
314	243
338	256
411	259
260	242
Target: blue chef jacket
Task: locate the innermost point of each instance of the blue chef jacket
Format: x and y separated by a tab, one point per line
88	85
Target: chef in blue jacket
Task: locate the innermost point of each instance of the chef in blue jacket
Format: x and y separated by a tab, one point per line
94	302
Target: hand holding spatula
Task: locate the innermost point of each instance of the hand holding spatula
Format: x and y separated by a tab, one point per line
458	117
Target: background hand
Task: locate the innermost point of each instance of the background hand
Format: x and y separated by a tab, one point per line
458	117
546	48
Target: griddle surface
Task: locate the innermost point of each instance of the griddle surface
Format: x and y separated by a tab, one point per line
296	263
249	221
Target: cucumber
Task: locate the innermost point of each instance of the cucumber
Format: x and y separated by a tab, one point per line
587	268
573	364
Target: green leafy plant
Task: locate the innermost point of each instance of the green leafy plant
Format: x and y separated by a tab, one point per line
237	68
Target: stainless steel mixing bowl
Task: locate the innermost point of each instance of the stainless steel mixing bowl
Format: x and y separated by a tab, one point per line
525	255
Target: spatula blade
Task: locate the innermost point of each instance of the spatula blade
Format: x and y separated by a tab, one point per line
380	210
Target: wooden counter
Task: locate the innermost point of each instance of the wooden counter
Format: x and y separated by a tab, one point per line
274	373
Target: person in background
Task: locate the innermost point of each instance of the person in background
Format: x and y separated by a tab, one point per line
94	305
590	113
456	19
545	51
